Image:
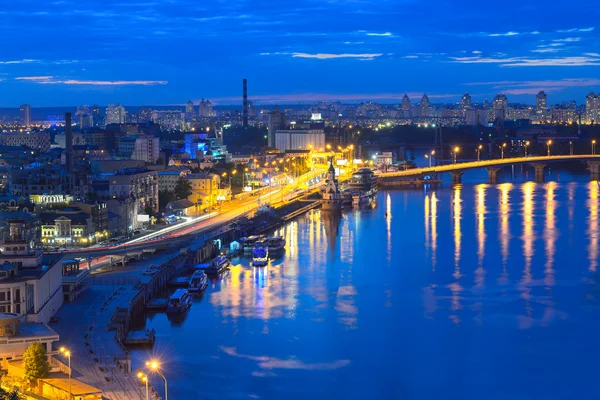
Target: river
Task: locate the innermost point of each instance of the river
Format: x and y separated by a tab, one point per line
468	292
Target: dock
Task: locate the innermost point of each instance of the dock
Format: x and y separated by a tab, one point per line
180	282
142	338
157	304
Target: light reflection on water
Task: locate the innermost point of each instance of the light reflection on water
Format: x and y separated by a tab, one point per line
472	286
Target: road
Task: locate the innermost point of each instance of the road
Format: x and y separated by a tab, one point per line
202	224
489	163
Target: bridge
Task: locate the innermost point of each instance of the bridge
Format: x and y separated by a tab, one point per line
493	166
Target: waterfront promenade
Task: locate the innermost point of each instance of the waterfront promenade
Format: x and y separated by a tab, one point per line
83	328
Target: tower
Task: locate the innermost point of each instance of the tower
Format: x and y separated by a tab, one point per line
331	194
541	107
275	122
245	103
69	142
406	107
25	115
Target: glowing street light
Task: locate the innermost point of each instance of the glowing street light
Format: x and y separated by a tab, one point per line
155	366
427	156
549	143
456	150
67	353
571	147
526	144
594	147
144	378
479	152
502	148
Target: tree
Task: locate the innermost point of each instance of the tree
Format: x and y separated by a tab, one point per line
12	395
35	363
183	189
164	198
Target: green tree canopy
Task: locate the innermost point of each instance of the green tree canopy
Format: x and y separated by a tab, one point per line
35	363
183	188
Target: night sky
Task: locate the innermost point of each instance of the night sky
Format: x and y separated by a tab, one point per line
136	52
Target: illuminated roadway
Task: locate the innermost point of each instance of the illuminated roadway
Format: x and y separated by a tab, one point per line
488	163
190	229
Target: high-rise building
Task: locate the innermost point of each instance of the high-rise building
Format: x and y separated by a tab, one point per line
465	103
145	115
275	122
245	103
499	108
541	107
592	108
189	110
115	114
25	115
97	116
425	104
205	109
406	107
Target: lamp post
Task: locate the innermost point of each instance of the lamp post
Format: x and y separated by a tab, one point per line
144	379
502	148
68	354
456	150
427	156
432	154
155	366
479	152
549	143
594	147
571	147
526	144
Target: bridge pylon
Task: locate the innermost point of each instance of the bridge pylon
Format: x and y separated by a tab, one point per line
594	167
492	175
539	172
457	177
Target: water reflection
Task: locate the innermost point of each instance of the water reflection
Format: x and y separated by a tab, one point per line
550	234
504	232
481	236
592	231
388	217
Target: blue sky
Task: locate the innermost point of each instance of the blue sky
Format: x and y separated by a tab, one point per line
136	52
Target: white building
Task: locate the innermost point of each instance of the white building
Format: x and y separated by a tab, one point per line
146	148
592	108
299	139
140	184
115	114
30	283
38	141
25	115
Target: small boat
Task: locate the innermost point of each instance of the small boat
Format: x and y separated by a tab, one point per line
198	282
276	244
248	243
179	301
217	265
260	254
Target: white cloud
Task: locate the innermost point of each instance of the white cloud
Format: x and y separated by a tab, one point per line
511	33
567	40
388	34
328	56
545	50
34	78
411	57
575	61
100	83
23	61
576	30
476	52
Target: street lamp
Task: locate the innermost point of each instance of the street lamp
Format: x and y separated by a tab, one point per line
526	144
456	150
594	147
571	147
67	353
155	366
502	148
479	153
549	143
144	379
427	156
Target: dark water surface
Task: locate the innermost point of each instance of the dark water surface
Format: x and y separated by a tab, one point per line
466	292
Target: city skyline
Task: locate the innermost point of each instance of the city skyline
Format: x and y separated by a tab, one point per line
140	52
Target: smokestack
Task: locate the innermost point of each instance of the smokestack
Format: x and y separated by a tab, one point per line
245	112
69	142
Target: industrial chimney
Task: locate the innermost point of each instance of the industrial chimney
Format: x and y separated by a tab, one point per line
69	142
245	111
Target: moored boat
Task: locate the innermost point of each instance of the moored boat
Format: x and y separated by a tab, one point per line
198	282
217	265
248	243
179	301
260	254
276	244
